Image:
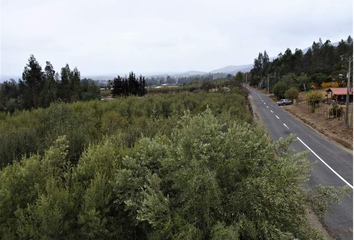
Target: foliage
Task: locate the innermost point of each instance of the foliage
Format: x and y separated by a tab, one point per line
181	80
321	61
292	94
336	111
209	179
291	80
304	81
314	98
279	90
196	86
40	89
129	86
172	166
319	198
318	78
85	122
239	78
32	83
9	96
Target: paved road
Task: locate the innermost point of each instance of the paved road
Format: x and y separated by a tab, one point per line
334	165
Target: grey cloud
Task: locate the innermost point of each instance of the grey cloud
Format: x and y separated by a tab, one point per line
110	36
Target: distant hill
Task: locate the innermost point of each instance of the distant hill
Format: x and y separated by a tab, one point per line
189	73
232	69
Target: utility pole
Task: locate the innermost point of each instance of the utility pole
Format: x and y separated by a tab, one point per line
350	60
268	84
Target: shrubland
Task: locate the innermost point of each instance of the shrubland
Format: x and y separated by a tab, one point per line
171	166
28	132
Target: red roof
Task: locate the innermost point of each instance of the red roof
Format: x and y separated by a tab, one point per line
340	91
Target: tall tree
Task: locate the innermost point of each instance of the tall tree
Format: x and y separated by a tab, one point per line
74	85
118	86
257	66
129	86
49	92
132	83
64	86
265	63
31	83
307	61
297	62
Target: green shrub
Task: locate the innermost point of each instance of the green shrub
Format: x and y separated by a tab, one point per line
292	94
84	123
314	98
335	111
209	179
279	90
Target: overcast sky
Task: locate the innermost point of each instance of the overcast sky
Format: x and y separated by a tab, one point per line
148	36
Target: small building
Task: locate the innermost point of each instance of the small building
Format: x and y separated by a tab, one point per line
339	94
330	84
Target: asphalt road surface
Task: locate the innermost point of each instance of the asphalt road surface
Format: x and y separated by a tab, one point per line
334	165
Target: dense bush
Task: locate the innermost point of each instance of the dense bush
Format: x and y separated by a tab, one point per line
279	90
86	122
335	111
209	179
172	166
292	94
314	98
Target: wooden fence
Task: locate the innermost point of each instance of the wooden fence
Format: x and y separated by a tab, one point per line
329	111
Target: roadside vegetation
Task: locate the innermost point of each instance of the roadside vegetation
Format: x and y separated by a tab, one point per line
321	65
186	165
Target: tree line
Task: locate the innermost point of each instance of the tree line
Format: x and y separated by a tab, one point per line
203	84
321	63
181	80
130	85
39	88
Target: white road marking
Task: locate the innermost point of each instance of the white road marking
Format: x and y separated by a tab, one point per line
285	126
325	163
267	107
277	116
264	103
271	111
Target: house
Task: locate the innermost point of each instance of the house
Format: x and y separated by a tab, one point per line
339	94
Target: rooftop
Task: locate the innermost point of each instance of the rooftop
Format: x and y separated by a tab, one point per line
340	91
